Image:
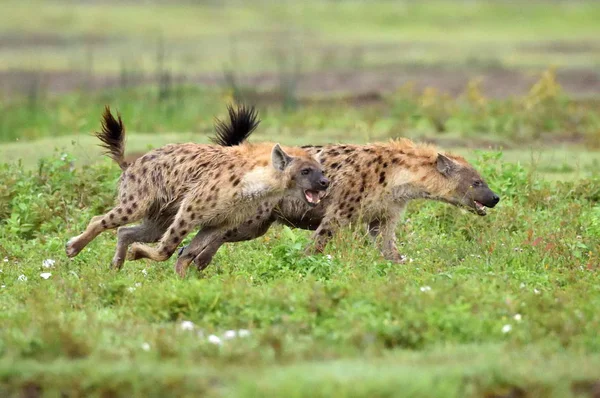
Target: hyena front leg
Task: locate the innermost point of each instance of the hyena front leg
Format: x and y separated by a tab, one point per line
383	232
149	231
118	216
207	242
386	240
324	233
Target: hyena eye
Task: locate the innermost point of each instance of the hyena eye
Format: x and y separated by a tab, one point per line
476	183
305	172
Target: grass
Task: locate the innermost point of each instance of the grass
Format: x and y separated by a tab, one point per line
346	322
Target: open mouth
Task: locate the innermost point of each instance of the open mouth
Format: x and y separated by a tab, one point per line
313	197
479	208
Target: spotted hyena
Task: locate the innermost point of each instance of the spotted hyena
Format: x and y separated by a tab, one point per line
179	187
372	183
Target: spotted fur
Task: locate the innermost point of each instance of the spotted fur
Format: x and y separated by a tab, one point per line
369	183
180	187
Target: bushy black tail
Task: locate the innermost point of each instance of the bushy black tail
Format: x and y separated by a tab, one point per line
242	122
113	138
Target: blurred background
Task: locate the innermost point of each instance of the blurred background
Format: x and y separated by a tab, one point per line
462	73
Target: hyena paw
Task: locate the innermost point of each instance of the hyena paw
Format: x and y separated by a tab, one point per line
396	258
117	263
181	266
311	250
136	252
72	248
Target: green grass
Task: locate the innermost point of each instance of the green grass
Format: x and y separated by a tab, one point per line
204	38
544	112
559	162
352	324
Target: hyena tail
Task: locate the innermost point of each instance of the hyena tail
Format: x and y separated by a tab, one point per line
113	138
242	122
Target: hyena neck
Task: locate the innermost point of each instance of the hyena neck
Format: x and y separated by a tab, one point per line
263	183
410	191
417	188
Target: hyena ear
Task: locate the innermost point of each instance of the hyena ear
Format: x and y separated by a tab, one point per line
279	158
445	165
317	157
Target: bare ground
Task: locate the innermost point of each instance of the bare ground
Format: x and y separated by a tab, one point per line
497	82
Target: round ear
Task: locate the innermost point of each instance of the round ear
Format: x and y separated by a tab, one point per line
445	165
280	159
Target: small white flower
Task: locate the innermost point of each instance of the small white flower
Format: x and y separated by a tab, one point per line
410	260
144	272
187	325
329	257
214	339
138	284
48	263
3	286
145	346
522	285
506	328
518	317
243	333
230	334
22	278
45	275
536	291
63	157
5	259
425	288
131	289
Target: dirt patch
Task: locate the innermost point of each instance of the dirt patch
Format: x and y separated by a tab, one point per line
561	47
47	39
496	83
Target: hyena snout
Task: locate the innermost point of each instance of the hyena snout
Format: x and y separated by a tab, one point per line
323	183
489	199
315	186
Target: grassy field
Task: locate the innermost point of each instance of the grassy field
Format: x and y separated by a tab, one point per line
499	306
487	305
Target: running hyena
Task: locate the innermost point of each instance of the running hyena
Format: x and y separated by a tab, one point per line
179	187
372	183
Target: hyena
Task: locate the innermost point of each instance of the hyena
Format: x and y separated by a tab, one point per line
372	183
179	187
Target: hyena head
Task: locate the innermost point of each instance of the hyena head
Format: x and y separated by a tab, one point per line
467	188
304	173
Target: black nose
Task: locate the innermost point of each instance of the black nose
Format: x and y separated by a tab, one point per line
324	182
495	199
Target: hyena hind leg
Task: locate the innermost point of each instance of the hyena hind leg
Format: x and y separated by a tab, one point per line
148	231
177	231
118	216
